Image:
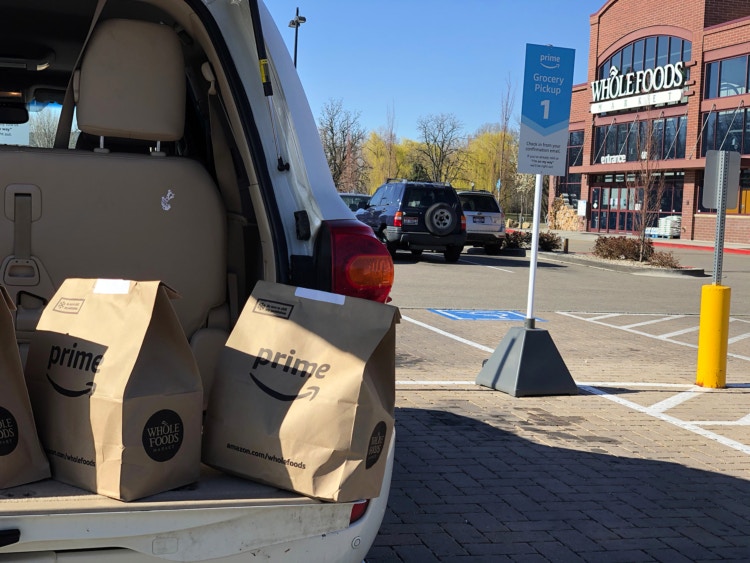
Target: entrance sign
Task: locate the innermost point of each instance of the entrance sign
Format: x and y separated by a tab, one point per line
545	110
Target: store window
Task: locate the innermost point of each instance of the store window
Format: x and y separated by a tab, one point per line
726	130
571	183
647	53
728	77
739	207
660	139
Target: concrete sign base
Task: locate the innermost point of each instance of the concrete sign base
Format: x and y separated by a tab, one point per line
526	363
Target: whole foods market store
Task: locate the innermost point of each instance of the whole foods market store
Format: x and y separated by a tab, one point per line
659	96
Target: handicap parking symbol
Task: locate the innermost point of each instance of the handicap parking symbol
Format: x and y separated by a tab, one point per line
481	315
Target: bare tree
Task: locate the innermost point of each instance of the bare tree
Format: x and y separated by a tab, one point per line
389	136
443	146
42	129
647	184
507	103
343	137
525	185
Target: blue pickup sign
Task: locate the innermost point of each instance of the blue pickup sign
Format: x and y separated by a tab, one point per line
545	110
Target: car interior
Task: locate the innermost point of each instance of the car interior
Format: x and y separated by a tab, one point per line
136	192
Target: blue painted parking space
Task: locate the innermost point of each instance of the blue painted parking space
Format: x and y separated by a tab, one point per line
481	315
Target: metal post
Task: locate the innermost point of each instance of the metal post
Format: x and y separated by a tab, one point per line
721	206
295	23
529	323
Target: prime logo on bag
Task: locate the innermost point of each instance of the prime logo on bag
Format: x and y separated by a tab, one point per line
79	363
287	363
304	393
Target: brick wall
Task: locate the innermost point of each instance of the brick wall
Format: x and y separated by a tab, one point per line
734	33
721	11
737	228
618	18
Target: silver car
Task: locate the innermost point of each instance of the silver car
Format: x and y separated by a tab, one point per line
485	220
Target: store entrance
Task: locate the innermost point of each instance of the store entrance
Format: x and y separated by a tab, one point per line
615	208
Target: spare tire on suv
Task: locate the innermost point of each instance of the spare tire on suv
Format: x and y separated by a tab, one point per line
417	216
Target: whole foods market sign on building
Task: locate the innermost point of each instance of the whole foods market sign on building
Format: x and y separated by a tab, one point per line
660	85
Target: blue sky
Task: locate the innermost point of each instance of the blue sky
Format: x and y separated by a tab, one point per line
421	57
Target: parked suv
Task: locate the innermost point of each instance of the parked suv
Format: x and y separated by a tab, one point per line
485	221
417	216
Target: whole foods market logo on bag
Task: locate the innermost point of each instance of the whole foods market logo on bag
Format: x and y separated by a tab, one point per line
162	435
22	459
377	441
8	432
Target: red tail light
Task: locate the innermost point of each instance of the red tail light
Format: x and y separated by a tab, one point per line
358	511
397	219
463	222
360	264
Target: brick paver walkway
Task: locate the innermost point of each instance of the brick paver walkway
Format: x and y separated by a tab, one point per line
650	470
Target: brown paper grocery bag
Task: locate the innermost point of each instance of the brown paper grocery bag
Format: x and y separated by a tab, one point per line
115	389
21	457
304	394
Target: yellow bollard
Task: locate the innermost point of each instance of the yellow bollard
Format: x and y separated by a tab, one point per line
713	336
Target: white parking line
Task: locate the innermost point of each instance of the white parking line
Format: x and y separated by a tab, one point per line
447	334
690	426
738	338
669	335
607	316
678	399
656	411
665	337
654	321
486	266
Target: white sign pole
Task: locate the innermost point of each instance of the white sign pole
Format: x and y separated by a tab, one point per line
527	362
534	251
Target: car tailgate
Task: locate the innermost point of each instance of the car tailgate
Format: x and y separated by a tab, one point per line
218	516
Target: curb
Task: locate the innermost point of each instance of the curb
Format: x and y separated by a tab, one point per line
683	246
583	260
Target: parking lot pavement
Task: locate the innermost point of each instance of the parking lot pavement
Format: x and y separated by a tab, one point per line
639	466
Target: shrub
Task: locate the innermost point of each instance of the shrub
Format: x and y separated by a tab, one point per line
628	248
522	239
517	239
622	248
549	241
664	260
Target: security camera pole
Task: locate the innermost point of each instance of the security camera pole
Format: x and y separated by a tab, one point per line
526	362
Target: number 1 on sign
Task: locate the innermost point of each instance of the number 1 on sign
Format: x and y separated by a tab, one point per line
545	105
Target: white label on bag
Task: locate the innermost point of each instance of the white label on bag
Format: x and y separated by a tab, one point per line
318	295
112	287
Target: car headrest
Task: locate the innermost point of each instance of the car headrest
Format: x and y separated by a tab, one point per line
132	82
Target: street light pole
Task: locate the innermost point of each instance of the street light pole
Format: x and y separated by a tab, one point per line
295	23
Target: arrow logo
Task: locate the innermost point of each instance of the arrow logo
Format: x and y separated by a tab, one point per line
312	390
70	392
